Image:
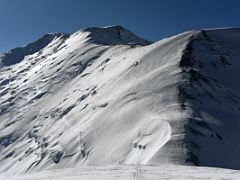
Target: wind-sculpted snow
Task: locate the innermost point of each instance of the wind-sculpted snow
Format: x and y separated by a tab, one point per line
103	96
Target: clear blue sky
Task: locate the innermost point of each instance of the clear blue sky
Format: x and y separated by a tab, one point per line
23	21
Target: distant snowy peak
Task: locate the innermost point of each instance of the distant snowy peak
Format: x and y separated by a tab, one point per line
16	55
111	35
114	35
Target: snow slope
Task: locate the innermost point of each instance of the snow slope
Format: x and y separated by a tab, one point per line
103	96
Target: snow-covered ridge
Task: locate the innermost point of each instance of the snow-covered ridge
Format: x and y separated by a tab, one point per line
16	55
111	35
104	96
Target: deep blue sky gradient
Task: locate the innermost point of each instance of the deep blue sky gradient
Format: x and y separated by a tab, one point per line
23	21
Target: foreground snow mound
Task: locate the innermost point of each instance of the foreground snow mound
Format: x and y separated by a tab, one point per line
130	173
105	96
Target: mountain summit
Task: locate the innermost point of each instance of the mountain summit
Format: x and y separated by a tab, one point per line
104	96
114	35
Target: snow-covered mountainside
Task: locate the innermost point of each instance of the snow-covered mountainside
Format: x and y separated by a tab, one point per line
103	96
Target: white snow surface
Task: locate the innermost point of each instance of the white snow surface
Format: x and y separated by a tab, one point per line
103	96
139	172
